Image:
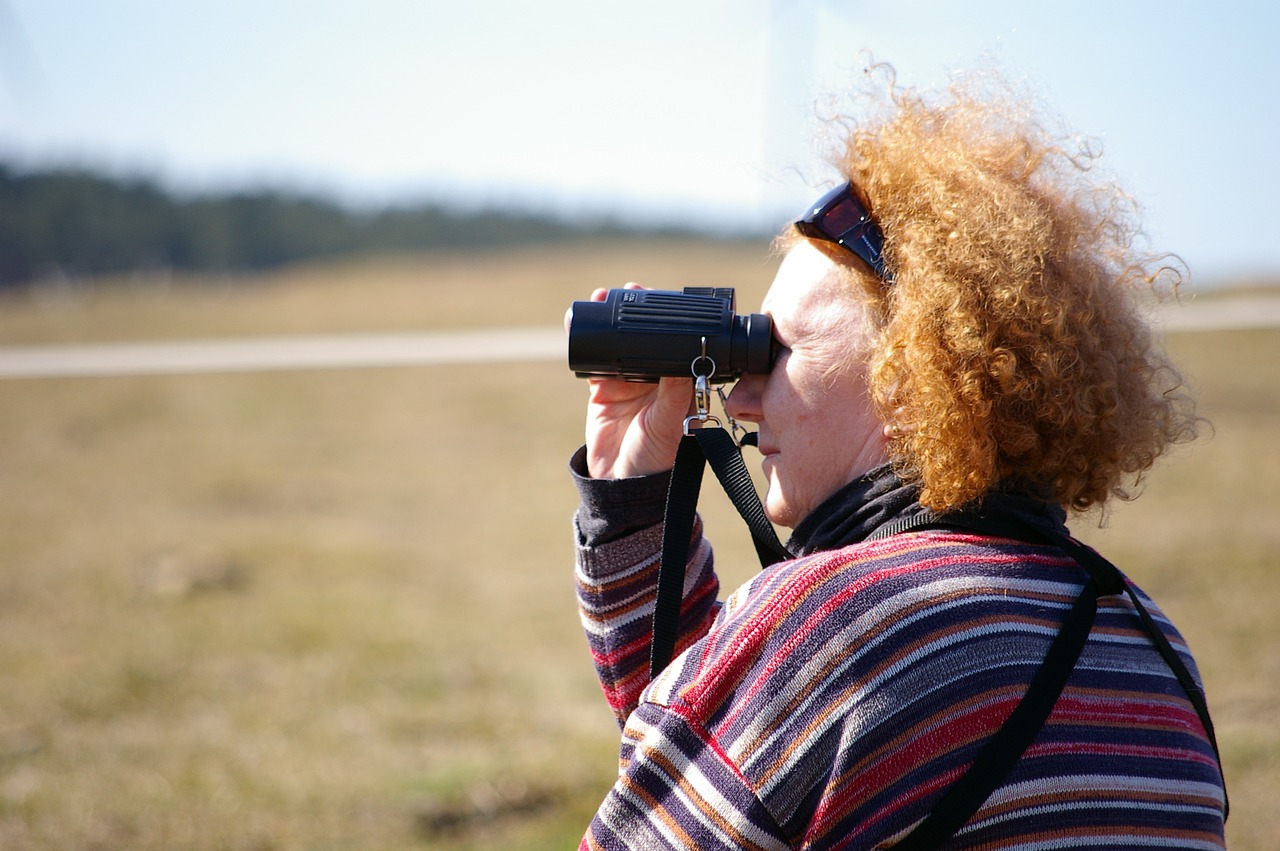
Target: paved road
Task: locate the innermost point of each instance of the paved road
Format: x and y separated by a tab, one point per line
283	353
1222	314
488	346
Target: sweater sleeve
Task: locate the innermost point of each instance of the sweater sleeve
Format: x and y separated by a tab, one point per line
619	543
677	789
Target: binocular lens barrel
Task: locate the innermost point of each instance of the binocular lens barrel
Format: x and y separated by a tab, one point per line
644	335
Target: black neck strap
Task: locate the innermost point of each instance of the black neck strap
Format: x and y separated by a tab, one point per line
714	446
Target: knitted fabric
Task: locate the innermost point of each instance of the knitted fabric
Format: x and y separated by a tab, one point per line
832	700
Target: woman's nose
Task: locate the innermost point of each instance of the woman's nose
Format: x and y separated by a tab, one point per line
743	402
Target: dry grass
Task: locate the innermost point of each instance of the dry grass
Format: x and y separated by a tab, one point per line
334	609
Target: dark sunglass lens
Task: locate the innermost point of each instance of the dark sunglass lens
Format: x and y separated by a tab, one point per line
842	218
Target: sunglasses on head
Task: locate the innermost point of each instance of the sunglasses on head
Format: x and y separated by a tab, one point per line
841	217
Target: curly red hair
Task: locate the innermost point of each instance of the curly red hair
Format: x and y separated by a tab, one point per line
1012	343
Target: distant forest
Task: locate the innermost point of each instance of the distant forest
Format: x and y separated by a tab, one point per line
80	223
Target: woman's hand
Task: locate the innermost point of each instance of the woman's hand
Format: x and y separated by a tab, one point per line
634	429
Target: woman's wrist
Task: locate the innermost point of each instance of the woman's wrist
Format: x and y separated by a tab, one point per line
613	508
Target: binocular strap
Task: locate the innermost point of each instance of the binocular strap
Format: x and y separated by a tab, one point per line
699	448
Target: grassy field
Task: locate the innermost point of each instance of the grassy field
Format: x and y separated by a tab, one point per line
335	609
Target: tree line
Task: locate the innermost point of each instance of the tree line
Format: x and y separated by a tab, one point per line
76	222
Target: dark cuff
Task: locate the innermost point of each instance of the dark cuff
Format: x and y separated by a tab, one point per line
614	508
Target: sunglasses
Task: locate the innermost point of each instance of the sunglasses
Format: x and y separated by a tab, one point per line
842	217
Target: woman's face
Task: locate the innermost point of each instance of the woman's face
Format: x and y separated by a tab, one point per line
816	427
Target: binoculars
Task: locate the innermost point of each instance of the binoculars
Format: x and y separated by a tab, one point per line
644	335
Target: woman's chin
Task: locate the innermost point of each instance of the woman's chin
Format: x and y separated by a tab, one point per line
777	509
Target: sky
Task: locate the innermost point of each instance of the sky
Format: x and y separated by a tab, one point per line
699	112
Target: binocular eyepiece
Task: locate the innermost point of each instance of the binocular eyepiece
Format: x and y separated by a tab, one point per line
644	335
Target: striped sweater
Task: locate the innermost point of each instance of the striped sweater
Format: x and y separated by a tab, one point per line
830	702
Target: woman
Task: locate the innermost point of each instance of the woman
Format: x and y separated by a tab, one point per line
960	366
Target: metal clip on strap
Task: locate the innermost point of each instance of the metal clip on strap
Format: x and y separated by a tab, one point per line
702	368
702	403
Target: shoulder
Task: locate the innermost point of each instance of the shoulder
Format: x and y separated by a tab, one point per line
878	578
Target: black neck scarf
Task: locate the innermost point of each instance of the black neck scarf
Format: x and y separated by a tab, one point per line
879	503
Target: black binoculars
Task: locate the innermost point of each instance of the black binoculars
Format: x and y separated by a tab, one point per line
644	335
